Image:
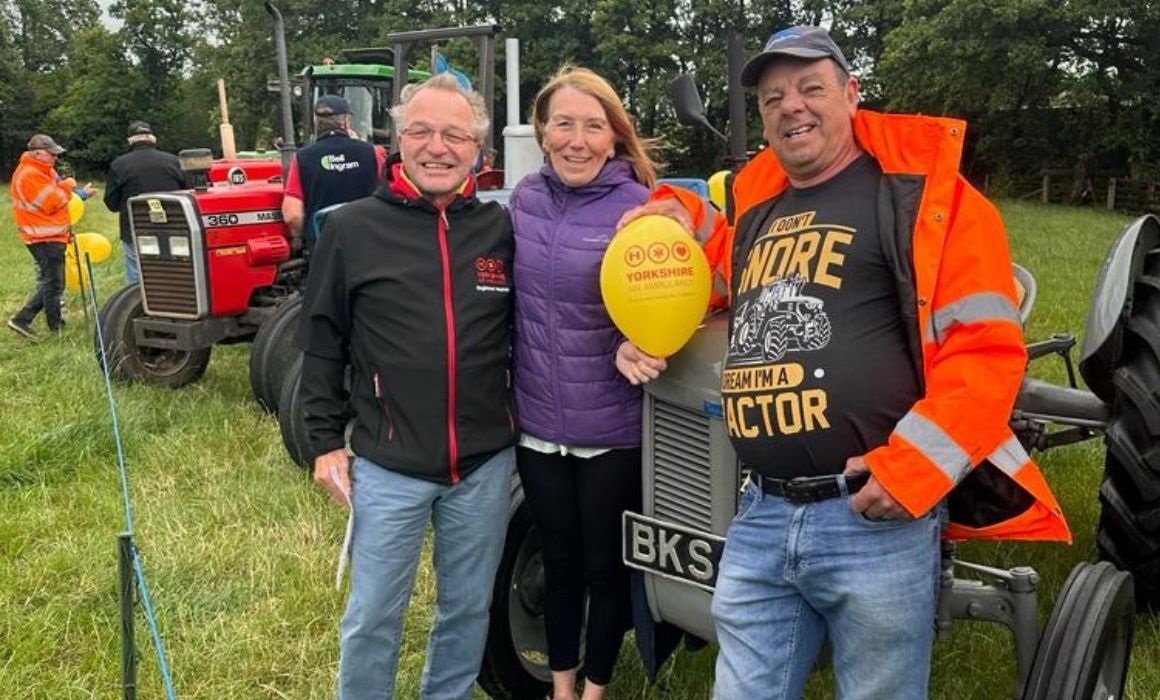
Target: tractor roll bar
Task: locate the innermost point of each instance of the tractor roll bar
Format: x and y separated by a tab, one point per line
484	36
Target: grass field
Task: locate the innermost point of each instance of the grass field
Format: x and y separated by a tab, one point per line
239	546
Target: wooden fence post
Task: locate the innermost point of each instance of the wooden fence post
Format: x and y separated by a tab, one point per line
1111	193
1046	188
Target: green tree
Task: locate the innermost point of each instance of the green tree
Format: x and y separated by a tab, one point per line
99	89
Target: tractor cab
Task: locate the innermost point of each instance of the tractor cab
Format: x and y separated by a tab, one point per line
367	86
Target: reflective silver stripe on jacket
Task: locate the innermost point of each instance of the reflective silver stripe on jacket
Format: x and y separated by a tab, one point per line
52	230
43	195
1010	456
973	308
706	228
934	443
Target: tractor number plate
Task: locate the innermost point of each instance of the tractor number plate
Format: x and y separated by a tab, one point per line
671	551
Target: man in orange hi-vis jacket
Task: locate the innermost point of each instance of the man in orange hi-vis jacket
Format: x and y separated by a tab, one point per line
40	199
875	353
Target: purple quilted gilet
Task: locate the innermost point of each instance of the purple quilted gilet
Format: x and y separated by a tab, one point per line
567	387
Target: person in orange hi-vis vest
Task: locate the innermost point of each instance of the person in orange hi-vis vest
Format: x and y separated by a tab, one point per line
875	352
40	199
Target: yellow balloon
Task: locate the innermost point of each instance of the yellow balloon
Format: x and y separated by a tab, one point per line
717	188
98	249
76	209
655	283
73	275
95	245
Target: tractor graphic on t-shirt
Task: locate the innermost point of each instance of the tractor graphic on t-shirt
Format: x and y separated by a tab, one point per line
780	320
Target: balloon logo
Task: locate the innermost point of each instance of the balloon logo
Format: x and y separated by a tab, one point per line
98	249
76	209
655	284
717	188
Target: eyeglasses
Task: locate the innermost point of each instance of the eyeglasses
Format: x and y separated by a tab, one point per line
452	137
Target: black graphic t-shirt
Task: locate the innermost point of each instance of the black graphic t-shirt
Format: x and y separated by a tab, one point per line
817	369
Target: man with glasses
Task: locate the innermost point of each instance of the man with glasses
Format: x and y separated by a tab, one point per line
336	168
410	290
40	199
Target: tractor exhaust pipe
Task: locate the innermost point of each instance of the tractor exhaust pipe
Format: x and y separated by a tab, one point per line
738	155
288	147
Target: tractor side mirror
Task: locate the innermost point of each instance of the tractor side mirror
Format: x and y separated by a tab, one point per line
687	101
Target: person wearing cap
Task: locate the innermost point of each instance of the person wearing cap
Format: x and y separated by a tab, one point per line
874	356
40	199
144	169
336	168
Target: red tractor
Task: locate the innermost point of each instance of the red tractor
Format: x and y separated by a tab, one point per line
216	264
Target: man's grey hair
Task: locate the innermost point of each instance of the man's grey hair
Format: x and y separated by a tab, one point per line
448	82
142	138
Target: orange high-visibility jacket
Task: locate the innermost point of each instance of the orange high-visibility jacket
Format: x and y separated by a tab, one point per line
40	202
965	326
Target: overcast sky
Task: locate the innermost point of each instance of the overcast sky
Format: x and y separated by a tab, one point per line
109	21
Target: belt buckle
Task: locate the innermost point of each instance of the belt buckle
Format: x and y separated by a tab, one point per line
799	490
811	489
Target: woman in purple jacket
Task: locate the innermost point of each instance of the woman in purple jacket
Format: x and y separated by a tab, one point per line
576	377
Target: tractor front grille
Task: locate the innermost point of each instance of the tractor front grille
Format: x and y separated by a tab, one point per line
169	286
169	283
681	467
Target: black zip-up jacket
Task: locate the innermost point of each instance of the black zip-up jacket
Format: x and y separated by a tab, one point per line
417	302
144	169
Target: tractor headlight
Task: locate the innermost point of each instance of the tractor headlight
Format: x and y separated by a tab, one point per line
179	246
148	245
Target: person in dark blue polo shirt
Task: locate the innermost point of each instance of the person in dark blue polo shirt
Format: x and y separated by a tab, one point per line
336	168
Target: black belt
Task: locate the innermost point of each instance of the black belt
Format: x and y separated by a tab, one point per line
808	489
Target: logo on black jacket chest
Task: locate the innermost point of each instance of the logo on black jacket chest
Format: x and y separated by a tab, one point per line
491	275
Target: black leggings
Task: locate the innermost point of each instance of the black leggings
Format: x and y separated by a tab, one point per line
577	505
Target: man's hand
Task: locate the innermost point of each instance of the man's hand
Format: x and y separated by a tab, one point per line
332	472
670	207
873	501
90	191
636	365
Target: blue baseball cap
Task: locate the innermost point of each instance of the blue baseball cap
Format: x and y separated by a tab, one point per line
795	42
330	105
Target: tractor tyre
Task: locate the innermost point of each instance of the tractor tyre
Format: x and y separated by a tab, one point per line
1086	646
129	362
273	351
1129	528
820	337
291	419
515	661
774	344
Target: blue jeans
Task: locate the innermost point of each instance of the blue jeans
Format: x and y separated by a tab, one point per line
132	269
793	574
391	512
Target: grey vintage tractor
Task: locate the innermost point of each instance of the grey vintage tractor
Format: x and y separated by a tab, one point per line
692	482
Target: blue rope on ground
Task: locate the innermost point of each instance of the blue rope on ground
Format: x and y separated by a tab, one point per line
154	629
138	567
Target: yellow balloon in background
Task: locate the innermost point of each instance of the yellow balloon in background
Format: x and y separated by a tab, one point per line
72	274
76	209
717	188
97	247
655	283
